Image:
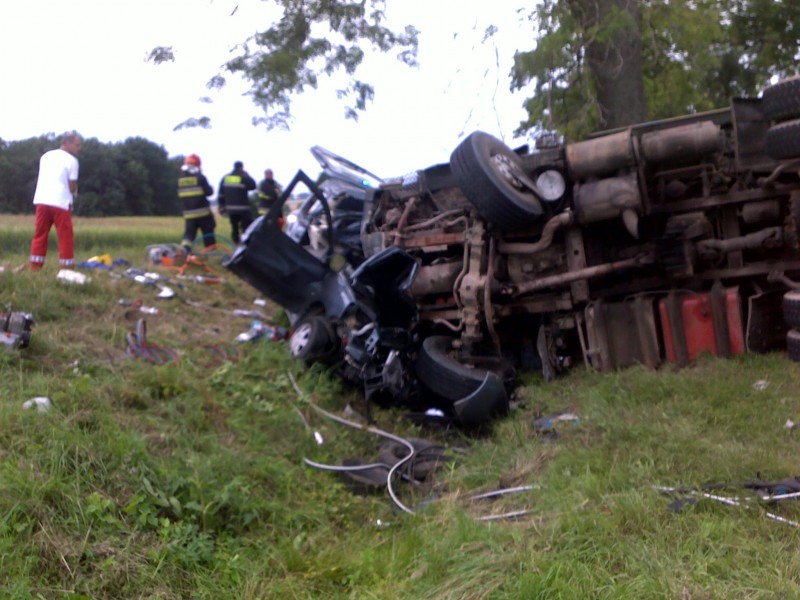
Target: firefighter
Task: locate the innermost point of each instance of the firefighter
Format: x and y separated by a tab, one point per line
193	191
268	192
232	199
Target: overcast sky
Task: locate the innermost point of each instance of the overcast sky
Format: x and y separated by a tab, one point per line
80	64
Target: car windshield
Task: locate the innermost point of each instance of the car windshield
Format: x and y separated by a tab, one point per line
344	170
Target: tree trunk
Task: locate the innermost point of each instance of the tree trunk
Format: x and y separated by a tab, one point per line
614	58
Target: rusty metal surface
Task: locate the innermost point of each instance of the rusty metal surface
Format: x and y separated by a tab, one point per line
600	156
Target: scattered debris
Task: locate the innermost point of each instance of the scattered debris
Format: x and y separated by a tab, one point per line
761	385
547	426
15	329
72	277
259	329
789	425
42	404
164	254
138	347
768	492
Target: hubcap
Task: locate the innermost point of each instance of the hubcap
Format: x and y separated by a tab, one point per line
300	339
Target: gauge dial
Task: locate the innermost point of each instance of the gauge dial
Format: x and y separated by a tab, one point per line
551	185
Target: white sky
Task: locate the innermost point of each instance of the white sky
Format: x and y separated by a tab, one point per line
79	64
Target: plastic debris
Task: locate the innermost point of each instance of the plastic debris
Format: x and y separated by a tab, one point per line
761	385
258	330
547	425
260	302
789	425
72	277
42	404
250	314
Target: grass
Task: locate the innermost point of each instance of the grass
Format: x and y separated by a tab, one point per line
186	479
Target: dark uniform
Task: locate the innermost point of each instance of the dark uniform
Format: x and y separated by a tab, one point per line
232	199
268	192
193	191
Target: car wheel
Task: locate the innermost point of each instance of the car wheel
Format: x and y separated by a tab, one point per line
793	344
488	173
783	140
782	100
313	340
791	309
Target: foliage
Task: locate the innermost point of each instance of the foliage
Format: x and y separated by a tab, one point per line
696	55
311	39
134	177
186	480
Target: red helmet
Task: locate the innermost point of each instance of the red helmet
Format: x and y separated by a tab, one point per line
192	159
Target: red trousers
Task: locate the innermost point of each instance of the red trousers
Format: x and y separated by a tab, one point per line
46	217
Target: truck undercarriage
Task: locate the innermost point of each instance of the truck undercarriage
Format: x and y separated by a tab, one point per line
651	243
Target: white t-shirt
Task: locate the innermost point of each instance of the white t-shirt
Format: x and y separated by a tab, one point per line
56	169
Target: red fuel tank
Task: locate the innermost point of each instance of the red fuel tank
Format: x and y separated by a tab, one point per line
702	322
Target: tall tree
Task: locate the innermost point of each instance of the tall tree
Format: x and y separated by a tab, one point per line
612	44
693	55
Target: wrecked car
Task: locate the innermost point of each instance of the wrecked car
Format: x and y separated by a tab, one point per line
651	243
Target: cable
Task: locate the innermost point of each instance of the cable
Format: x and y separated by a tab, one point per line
139	348
394	469
370	429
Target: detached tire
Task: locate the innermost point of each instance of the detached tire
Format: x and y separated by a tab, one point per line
783	140
476	394
793	344
444	375
791	309
484	167
782	100
313	340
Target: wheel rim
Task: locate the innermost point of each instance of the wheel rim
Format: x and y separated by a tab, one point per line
300	339
510	173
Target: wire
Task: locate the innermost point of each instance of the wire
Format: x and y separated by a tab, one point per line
394	469
370	429
139	348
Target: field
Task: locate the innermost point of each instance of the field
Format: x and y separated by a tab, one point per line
186	479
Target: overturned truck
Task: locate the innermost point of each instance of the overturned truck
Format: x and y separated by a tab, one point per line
646	244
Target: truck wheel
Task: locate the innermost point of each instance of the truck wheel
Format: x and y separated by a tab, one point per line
791	309
486	170
450	379
782	100
783	140
313	340
793	344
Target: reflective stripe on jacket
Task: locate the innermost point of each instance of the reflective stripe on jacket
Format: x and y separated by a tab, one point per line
233	190
192	190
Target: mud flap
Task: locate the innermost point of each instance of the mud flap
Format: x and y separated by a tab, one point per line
765	328
485	402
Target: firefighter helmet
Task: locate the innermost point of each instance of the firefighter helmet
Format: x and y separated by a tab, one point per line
192	159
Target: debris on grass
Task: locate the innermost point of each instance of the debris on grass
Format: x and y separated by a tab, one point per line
41	403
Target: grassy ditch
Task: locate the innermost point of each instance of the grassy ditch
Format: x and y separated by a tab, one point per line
187	479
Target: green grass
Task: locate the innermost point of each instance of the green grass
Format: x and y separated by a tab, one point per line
186	480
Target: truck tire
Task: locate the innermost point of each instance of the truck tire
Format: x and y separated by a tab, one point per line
313	340
781	101
783	140
481	165
793	344
791	309
452	380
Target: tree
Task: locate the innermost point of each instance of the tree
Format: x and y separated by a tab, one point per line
312	38
693	55
135	177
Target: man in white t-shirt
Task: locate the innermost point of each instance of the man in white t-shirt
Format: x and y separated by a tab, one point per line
56	190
